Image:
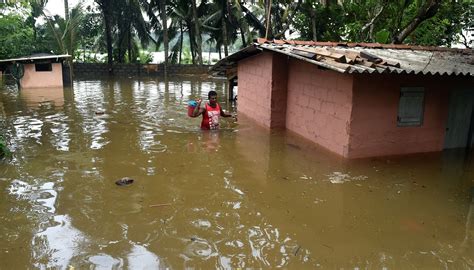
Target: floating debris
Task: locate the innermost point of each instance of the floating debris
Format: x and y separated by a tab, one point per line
124	181
339	177
160	205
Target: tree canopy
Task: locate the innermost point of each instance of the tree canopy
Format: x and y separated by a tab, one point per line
121	29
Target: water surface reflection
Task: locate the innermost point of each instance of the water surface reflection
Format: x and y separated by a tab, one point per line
240	197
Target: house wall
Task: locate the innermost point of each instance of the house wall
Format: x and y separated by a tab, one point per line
374	130
33	79
354	116
319	105
255	82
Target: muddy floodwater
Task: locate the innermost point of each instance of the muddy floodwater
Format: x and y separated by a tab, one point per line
242	197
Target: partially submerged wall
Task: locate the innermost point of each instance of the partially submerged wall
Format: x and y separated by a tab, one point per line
42	79
255	82
374	130
354	116
86	69
319	105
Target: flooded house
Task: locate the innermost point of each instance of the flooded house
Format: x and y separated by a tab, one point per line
357	99
37	71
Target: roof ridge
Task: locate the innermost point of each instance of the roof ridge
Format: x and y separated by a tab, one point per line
360	44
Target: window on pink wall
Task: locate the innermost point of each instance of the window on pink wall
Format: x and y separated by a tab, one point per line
411	107
43	67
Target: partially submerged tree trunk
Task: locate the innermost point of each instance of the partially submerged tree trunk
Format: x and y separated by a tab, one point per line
427	11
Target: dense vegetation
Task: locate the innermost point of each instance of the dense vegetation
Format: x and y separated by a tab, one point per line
122	29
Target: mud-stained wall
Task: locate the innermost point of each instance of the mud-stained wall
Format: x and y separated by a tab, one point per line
319	105
374	130
255	84
34	79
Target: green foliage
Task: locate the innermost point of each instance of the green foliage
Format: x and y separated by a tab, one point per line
145	57
382	36
328	21
16	39
4	151
229	24
381	20
187	58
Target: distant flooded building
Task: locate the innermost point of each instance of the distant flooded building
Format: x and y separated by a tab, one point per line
36	71
358	99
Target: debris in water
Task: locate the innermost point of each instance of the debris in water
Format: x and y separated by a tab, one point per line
340	178
161	204
297	249
124	181
294	146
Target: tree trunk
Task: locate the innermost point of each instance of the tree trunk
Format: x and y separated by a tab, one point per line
426	12
254	21
224	33
370	24
197	34
242	36
165	33
313	25
268	32
66	10
192	42
129	44
108	35
180	42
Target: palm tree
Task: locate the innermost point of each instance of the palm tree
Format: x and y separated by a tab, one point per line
106	8
66	10
65	32
197	33
37	7
130	21
159	24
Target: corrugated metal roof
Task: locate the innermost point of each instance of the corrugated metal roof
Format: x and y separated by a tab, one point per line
36	57
364	57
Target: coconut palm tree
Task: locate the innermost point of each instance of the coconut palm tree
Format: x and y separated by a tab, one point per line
65	32
106	8
157	12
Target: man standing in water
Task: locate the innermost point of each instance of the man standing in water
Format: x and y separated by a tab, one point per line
210	112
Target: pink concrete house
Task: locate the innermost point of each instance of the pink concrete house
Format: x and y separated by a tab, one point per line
36	71
358	100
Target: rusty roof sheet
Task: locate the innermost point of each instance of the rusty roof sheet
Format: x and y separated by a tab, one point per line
364	57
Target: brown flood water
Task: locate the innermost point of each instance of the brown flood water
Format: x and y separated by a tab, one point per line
243	197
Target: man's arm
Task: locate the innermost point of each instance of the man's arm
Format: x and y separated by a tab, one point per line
198	110
223	114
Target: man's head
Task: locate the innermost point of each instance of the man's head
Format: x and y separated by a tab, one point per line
212	95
